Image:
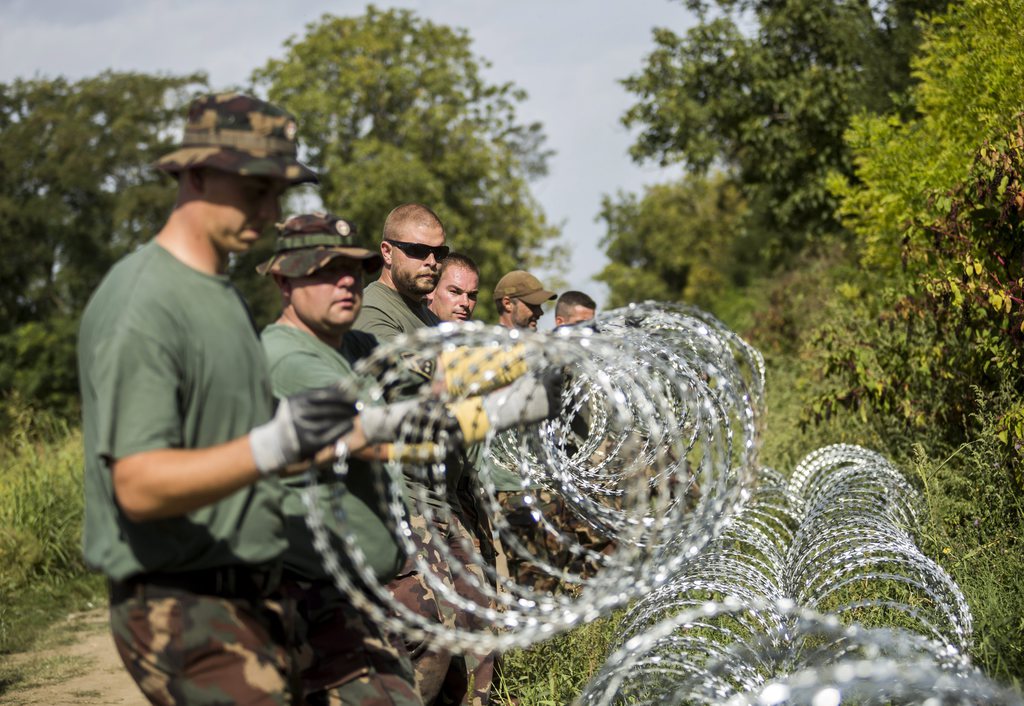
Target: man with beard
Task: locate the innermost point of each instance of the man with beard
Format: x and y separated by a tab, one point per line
319	267
518	297
457	289
412	249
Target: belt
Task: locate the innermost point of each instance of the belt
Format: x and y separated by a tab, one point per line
240	582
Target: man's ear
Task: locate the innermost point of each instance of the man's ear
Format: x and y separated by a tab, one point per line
506	304
385	252
559	321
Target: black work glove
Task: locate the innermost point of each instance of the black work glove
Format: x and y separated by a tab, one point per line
303	424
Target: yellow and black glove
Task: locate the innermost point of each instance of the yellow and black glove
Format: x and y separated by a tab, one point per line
478	370
423	423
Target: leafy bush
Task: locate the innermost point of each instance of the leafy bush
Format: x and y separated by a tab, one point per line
921	356
974	530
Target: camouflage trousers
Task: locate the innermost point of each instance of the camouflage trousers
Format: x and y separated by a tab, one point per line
552	544
442	677
344	657
187	648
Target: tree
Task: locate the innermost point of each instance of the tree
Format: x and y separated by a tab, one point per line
393	109
770	105
76	193
939	212
673	243
970	87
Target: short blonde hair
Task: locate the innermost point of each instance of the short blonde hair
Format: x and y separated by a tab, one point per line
409	214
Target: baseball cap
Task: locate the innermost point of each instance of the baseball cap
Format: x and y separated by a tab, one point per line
522	285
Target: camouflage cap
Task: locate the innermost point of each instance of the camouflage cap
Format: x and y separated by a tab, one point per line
239	134
308	242
520	284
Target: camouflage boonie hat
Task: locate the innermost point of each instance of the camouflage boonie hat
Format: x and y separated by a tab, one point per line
308	242
239	134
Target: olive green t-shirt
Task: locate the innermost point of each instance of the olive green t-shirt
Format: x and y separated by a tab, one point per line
300	361
386	313
169	359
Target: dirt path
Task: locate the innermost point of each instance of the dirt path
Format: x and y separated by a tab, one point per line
83	668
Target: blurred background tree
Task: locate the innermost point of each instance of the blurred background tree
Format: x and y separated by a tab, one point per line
763	91
674	242
76	193
394	110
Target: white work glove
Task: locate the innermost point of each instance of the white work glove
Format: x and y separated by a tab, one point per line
381	424
303	424
528	400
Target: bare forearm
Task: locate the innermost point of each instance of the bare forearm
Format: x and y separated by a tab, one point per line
172	482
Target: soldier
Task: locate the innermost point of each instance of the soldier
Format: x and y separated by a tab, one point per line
182	512
518	297
319	268
574	307
412	250
454	298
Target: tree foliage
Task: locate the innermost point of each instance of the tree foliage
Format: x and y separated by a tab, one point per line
765	90
76	193
970	87
675	242
942	194
394	109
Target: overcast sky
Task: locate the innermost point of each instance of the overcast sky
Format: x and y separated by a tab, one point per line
567	54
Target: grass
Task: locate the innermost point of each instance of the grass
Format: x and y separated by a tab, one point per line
34	673
974	521
554	672
975	530
40	667
42	577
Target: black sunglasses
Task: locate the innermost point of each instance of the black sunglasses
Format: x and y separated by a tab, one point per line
418	251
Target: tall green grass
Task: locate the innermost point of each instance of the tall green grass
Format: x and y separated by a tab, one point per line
973	525
41	570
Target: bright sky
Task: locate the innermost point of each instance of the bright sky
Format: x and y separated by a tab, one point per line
567	54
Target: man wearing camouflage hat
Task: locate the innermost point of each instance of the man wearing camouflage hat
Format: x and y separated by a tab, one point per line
182	441
518	297
319	268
